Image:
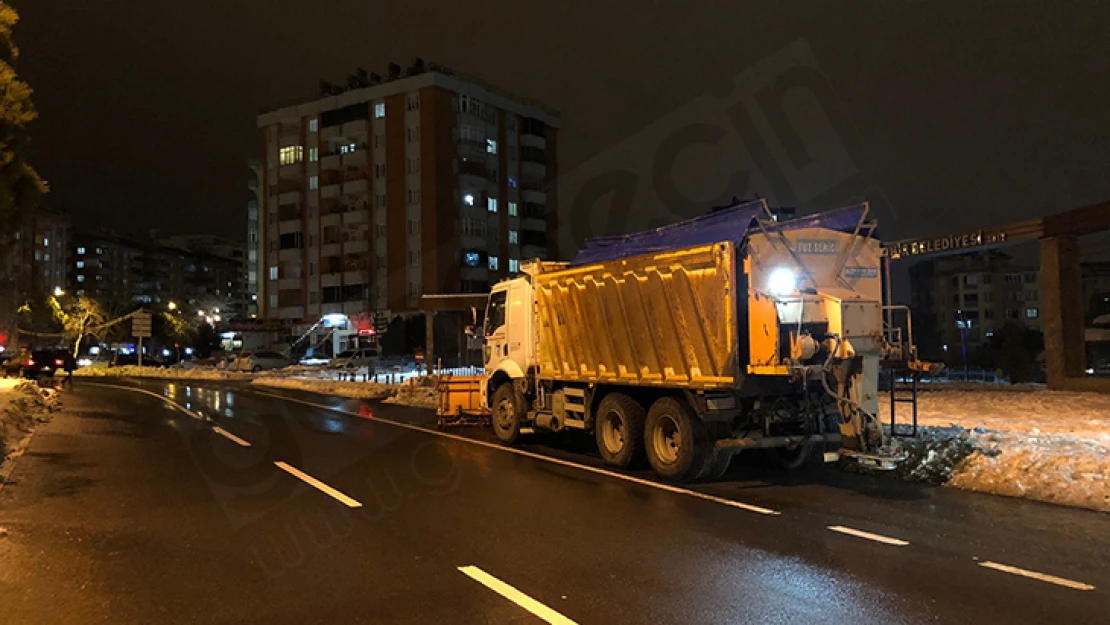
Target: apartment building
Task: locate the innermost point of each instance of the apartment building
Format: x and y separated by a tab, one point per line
425	181
38	259
254	285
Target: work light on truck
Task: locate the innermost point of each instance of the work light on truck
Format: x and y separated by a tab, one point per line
782	281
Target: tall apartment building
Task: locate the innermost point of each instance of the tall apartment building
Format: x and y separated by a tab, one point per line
426	182
38	259
960	301
254	285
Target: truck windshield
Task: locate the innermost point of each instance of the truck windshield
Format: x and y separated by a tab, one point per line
495	313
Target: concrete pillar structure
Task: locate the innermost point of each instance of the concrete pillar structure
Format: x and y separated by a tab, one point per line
1062	309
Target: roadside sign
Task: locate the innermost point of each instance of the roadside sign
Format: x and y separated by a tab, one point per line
381	320
140	325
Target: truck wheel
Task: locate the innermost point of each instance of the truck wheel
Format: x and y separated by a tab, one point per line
507	411
802	455
676	442
716	466
619	429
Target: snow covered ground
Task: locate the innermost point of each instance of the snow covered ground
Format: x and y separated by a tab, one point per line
168	373
1033	443
23	404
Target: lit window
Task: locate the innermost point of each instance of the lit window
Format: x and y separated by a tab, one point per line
80	278
491	146
313	155
313	124
468	199
472	259
1032	313
512	209
80	264
273	272
512	237
342	149
313	182
45	242
491	203
512	182
273	301
46	256
80	250
514	265
99	250
379	110
493	263
291	154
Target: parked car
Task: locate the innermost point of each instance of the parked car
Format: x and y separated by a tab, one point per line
261	360
355	358
34	365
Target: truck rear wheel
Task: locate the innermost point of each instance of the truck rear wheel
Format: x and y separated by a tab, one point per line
798	457
619	429
675	439
716	466
507	413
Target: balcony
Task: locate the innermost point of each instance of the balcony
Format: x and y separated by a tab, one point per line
533	195
289	225
356	159
533	169
331	132
289	197
329	191
291	254
356	247
356	217
534	224
358	186
331	162
289	283
331	219
533	141
329	249
356	130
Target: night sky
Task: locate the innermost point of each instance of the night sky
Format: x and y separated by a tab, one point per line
962	116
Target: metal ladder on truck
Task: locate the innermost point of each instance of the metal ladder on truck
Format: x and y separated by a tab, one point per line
901	362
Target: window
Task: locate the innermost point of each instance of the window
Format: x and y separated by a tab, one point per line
495	315
413	134
379	140
80	278
313	125
514	265
313	182
1011	313
80	250
379	170
512	208
1030	277
988	314
80	264
971	279
312	297
313	155
491	204
414	226
311	269
971	300
472	259
512	182
491	146
955	281
273	301
274	272
379	201
291	154
493	263
46	256
414	196
468	199
412	103
99	250
1032	313
513	237
379	110
380	230
414	165
45	242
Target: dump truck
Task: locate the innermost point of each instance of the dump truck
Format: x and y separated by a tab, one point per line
693	342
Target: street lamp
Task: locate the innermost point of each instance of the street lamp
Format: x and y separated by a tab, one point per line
200	313
58	291
171	306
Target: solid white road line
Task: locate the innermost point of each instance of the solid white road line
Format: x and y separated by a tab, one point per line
520	452
169	401
897	542
1052	579
514	595
308	479
228	435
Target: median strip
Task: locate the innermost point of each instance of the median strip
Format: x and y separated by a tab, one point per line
311	481
879	538
1051	579
514	595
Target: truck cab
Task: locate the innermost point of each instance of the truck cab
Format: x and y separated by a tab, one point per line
509	350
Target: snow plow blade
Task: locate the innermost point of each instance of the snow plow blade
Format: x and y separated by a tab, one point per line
460	400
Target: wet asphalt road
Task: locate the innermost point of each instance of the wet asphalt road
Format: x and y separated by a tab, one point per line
125	510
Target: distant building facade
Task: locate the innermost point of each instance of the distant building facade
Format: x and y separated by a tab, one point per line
38	260
960	301
254	258
378	193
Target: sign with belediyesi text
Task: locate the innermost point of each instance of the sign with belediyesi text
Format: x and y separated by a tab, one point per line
952	243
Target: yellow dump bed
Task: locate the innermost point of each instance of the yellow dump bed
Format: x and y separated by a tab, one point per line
667	319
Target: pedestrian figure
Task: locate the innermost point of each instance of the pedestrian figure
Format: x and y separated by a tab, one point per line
69	364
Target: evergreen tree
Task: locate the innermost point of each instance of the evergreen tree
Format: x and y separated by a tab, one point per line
20	185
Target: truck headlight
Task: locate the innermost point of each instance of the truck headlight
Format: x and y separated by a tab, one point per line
782	281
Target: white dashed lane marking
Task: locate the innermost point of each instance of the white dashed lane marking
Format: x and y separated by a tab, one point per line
228	435
514	595
317	484
1051	579
879	538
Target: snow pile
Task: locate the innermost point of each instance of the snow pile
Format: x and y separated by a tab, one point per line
23	405
419	392
167	373
1050	446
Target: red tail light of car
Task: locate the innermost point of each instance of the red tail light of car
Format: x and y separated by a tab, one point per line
58	361
30	363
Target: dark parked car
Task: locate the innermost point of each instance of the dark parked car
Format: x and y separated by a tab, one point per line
34	365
